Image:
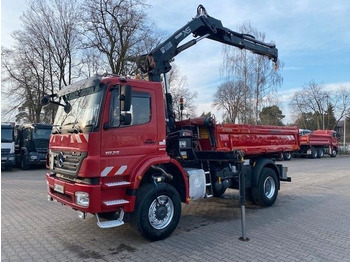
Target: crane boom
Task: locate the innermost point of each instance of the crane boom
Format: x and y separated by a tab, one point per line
202	26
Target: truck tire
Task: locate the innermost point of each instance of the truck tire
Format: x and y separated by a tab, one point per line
217	192
334	152
24	165
287	156
320	152
157	211
265	193
314	153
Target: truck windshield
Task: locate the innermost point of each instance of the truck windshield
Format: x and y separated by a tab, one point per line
41	133
6	135
86	104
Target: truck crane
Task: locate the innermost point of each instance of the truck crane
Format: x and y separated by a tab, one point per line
157	62
114	151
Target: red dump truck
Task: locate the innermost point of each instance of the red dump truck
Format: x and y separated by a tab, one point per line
116	150
317	143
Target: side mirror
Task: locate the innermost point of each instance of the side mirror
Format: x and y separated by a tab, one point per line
125	98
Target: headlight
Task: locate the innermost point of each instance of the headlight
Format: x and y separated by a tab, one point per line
33	157
11	158
82	198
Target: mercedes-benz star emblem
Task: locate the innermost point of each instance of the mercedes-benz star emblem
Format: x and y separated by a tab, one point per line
60	159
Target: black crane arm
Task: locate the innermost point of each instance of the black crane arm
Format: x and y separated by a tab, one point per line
202	26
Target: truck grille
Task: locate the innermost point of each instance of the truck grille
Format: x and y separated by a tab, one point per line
41	150
67	162
5	151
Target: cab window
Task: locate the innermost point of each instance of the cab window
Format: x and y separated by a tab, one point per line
140	108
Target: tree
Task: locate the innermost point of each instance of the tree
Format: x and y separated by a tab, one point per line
56	46
178	89
341	101
306	121
255	73
118	29
230	97
204	114
42	60
271	115
329	119
313	100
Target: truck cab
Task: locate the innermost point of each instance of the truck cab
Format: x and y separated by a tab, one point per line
32	143
105	145
7	146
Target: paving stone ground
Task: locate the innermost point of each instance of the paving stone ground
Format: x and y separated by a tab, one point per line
309	222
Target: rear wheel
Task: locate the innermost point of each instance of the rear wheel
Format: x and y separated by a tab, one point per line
314	152
265	192
320	153
157	211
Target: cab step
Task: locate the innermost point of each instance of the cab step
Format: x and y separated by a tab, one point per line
111	223
120	183
116	202
208	185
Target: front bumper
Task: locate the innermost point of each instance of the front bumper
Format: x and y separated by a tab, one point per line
102	198
8	160
36	159
64	192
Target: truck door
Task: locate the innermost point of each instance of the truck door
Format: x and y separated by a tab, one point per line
125	146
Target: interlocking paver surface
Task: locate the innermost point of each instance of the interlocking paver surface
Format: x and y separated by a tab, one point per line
309	222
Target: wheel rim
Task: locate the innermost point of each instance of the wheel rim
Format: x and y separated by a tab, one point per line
161	212
269	187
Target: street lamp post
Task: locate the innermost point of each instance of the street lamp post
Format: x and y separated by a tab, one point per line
344	132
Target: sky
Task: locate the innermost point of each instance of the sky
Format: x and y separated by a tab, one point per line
312	37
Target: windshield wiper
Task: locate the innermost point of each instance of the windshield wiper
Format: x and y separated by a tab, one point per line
56	130
75	128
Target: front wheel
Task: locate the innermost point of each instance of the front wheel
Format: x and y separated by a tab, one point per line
287	156
157	211
265	192
334	152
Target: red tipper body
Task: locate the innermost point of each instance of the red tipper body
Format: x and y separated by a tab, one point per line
320	137
317	143
252	140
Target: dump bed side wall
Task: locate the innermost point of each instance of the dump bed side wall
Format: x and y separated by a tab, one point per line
255	140
318	138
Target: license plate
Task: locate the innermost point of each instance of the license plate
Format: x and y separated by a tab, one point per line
58	188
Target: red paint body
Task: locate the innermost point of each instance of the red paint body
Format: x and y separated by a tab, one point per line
118	158
325	140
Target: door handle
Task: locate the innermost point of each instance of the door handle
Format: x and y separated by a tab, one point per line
149	141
